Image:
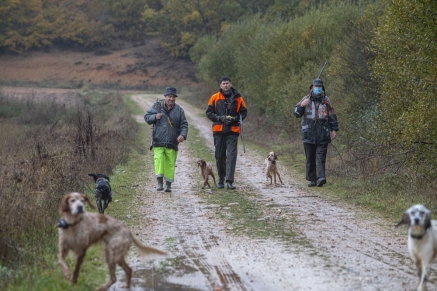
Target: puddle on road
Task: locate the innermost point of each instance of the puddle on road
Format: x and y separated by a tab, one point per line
169	274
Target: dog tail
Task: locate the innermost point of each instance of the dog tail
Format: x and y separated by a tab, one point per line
145	249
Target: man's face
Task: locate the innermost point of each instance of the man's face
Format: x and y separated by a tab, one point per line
170	100
225	86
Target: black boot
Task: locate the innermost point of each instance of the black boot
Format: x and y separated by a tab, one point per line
167	186
221	183
230	186
320	182
160	184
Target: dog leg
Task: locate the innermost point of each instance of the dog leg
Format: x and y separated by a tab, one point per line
63	264
100	206
105	204
213	177
112	277
79	262
269	177
128	272
205	181
423	265
279	176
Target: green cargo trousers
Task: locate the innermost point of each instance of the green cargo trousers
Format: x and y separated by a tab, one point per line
165	162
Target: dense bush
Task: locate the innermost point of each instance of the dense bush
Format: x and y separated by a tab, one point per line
274	62
378	77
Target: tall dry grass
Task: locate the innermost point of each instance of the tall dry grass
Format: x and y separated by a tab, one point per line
47	150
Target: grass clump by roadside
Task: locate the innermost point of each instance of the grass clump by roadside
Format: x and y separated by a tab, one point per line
47	150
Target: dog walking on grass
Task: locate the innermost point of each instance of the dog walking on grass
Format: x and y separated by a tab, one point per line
103	193
206	171
78	230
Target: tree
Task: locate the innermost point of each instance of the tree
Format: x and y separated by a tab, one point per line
406	49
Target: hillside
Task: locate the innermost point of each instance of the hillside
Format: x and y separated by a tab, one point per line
127	65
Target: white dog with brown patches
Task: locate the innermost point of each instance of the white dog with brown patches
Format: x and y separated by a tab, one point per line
272	168
78	230
422	239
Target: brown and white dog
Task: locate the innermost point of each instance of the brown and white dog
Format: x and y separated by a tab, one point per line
205	171
78	230
272	168
422	239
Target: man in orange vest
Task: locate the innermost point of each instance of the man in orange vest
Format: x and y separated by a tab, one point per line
224	110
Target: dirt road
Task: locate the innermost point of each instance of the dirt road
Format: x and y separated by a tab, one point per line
348	249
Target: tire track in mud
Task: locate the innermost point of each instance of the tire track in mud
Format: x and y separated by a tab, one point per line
353	251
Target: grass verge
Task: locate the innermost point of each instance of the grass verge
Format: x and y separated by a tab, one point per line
46	275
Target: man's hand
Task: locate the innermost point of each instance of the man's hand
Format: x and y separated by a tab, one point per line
225	119
333	134
158	116
305	102
180	139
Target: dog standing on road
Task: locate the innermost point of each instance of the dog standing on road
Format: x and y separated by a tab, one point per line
206	170
272	168
103	191
422	239
78	230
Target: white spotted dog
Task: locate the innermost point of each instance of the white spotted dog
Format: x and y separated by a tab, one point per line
272	168
422	239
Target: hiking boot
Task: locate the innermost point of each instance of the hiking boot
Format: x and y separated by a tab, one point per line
160	184
230	186
167	186
320	182
221	183
312	184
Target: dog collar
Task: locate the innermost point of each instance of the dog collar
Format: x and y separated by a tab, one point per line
418	236
62	223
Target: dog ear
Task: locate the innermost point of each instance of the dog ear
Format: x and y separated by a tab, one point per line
94	176
276	157
89	201
427	220
64	207
404	220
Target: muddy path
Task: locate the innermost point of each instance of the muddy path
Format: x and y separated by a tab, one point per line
348	249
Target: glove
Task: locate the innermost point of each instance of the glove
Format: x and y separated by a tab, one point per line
235	118
225	120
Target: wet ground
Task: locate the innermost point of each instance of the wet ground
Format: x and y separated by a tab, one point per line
343	247
346	249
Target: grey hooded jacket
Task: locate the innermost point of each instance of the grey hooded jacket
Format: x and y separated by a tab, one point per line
167	129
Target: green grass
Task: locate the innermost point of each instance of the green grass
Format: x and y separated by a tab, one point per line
47	275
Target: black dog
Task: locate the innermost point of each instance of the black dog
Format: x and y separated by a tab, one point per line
103	191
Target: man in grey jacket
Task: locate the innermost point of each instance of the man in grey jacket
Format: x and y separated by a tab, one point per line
319	127
170	127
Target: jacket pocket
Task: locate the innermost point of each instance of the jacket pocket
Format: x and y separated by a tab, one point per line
307	133
326	134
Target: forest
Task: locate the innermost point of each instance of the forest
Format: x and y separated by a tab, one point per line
381	64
